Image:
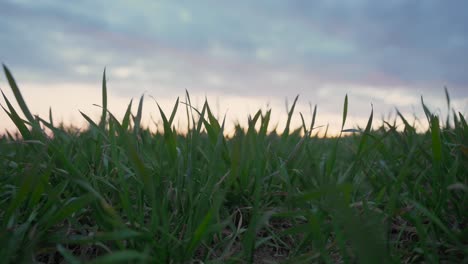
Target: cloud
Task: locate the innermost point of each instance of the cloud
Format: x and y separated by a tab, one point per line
413	42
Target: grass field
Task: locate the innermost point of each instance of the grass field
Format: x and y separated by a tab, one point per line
119	193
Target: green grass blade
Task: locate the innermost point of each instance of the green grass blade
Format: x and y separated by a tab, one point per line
253	121
137	119
436	220
366	133
51	120
463	121
123	256
214	126
427	112
345	111
436	140
265	122
126	119
408	127
447	97
70	207
331	160
169	135
93	124
18	96
288	122
102	123
19	123
200	232
304	127
312	123
174	111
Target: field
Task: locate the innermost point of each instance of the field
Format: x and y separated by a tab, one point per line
116	192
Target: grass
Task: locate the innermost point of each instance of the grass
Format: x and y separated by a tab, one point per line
119	193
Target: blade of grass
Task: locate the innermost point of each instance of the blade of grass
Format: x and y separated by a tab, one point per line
345	111
123	256
408	127
330	164
436	141
169	135
366	133
51	120
288	122
126	119
18	96
19	123
70	207
427	112
102	123
174	111
137	119
312	123
447	97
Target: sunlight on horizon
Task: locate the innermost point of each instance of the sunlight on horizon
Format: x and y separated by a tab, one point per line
66	100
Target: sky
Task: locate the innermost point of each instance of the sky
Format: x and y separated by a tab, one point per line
241	55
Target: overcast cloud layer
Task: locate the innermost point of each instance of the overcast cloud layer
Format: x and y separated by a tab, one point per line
385	52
